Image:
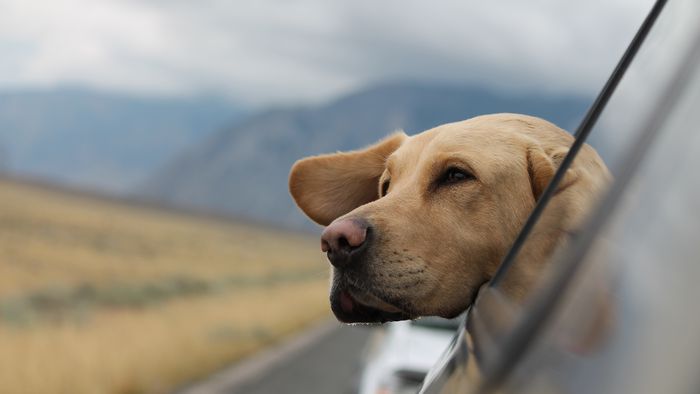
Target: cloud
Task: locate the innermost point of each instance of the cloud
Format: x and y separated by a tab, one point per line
280	51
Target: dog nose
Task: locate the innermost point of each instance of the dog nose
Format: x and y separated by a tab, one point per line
342	239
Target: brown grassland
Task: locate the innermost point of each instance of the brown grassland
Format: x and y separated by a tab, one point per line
106	297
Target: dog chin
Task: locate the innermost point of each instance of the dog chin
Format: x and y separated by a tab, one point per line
352	305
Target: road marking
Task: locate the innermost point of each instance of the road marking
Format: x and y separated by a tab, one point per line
228	379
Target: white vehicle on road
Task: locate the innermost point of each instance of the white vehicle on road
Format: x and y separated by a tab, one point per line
400	354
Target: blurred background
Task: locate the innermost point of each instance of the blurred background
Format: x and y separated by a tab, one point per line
147	238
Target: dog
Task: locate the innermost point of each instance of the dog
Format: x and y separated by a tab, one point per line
417	224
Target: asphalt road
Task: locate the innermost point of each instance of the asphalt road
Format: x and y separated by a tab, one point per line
325	359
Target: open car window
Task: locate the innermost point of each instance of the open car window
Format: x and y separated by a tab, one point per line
578	183
626	311
620	129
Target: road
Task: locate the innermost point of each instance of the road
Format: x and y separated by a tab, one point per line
325	359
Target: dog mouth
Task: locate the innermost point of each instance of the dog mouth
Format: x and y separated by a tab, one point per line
351	304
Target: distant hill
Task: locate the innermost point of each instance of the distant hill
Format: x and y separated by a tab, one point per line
243	170
100	141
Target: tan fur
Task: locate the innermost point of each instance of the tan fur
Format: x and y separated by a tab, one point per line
435	246
328	186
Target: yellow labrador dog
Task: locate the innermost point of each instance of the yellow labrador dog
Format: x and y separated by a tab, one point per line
416	224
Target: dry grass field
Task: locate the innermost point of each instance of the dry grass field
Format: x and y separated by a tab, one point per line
106	297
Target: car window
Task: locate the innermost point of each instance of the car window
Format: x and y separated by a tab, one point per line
647	230
628	312
578	190
639	95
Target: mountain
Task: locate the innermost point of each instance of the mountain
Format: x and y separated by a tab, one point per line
243	170
100	141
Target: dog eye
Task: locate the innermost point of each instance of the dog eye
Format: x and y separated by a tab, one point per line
454	175
385	187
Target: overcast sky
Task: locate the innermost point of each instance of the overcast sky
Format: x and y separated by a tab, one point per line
262	52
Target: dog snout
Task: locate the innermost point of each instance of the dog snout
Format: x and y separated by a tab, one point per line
344	240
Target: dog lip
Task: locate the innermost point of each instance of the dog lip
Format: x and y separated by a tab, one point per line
368	299
349	309
346	302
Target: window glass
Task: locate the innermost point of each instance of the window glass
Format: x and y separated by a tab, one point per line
628	312
636	96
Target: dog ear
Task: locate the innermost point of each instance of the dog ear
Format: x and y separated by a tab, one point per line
542	166
326	187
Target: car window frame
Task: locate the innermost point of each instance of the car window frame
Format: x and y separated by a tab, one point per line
527	327
543	308
580	136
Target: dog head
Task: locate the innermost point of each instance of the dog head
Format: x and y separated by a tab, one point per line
415	225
